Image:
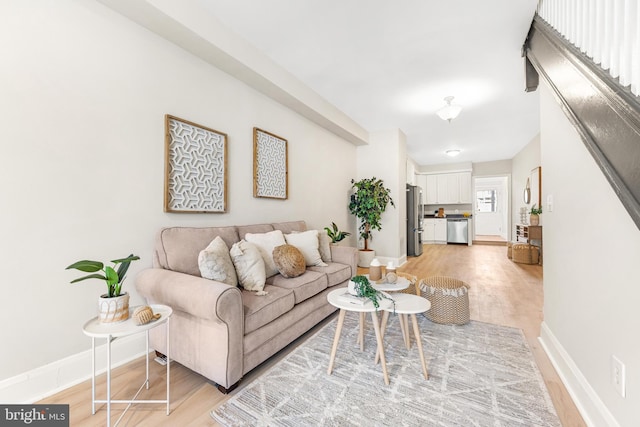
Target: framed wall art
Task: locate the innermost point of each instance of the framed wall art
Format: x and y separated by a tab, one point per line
195	168
270	165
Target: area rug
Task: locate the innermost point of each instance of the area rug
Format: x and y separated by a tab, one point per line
479	375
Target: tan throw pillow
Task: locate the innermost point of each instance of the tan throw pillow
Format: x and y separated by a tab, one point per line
266	243
307	242
215	263
324	246
289	261
249	266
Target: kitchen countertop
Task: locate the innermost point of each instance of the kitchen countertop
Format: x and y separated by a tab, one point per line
449	216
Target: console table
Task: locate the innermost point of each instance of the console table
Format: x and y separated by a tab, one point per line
531	234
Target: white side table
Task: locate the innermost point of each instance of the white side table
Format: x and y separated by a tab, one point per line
334	299
110	331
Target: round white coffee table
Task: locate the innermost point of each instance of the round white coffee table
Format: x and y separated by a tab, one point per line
110	331
339	299
408	305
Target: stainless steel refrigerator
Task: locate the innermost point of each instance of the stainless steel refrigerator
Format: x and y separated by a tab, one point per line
415	216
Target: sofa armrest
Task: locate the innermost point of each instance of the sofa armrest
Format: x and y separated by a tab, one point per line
346	255
202	298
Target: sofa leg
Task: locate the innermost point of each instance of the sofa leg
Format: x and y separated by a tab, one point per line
225	390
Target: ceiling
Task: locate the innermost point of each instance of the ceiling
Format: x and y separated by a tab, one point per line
389	65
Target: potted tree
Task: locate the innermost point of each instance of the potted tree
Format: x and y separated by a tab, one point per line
114	305
368	201
335	234
534	217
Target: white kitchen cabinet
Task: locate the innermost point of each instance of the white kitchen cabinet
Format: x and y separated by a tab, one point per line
431	189
465	187
434	230
448	188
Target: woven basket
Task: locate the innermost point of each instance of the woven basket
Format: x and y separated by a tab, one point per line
449	300
524	253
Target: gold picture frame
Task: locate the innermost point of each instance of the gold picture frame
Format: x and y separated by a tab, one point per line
270	165
195	168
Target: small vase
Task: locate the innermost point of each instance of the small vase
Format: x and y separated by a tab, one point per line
351	288
115	309
534	219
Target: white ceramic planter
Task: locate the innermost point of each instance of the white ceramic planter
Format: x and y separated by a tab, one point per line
365	258
111	310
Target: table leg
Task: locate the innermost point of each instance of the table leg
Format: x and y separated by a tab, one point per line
376	326
168	364
361	331
416	332
93	376
334	348
146	380
383	328
403	328
109	339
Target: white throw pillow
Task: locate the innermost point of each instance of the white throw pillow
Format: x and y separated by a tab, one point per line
267	242
215	263
324	246
307	242
249	266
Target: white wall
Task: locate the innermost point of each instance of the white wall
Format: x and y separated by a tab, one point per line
523	163
592	248
84	94
385	158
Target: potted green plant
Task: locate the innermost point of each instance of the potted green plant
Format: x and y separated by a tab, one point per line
114	305
368	201
335	234
534	217
360	286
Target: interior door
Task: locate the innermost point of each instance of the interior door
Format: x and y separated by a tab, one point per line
490	204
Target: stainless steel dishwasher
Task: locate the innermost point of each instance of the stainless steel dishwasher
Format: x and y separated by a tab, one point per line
457	230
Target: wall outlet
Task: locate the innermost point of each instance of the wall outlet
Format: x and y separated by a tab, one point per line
618	375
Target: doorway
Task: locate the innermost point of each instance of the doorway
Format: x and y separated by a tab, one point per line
491	208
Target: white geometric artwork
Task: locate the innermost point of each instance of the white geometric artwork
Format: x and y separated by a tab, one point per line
195	169
270	168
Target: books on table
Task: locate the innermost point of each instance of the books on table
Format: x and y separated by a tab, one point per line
352	299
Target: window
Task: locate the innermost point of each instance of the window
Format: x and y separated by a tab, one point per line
486	200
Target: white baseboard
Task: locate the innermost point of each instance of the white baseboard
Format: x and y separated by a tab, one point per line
593	410
39	383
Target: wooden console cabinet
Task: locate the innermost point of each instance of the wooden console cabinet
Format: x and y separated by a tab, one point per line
531	234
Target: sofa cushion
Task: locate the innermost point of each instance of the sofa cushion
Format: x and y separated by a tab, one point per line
308	243
267	242
336	273
304	286
324	246
256	228
249	266
177	248
289	261
215	263
260	310
290	227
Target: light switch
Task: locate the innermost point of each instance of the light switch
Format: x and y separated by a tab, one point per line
550	203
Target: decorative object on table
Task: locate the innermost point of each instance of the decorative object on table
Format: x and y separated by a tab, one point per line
524	219
391	277
368	201
375	270
335	234
144	314
114	305
463	390
270	165
195	168
361	287
449	299
534	217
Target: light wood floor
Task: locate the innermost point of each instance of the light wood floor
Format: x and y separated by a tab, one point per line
502	292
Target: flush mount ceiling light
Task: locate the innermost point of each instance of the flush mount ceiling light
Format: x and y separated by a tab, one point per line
452	153
449	111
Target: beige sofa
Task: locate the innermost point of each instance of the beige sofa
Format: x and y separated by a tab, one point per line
221	331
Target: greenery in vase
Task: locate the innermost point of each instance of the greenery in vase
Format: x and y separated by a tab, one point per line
535	211
111	276
364	289
335	234
368	202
